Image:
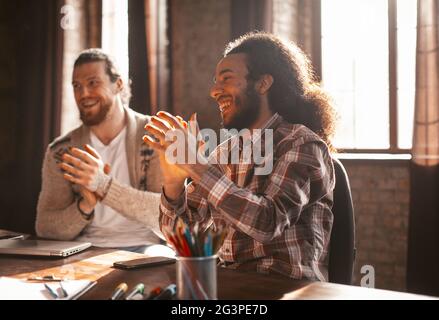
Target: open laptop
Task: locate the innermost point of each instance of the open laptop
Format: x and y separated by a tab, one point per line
42	247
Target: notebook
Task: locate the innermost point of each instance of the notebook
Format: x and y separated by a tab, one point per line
42	247
15	289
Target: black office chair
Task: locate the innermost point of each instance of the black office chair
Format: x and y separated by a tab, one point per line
342	244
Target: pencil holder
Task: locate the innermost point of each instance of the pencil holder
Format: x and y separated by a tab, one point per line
196	278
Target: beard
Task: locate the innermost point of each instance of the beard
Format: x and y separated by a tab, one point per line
247	110
93	119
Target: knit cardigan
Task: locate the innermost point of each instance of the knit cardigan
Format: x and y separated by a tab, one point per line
58	216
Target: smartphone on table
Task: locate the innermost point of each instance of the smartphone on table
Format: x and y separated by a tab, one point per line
143	262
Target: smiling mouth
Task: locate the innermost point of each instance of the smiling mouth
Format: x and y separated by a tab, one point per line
89	104
224	104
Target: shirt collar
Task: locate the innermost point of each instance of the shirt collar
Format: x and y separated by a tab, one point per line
98	143
269	124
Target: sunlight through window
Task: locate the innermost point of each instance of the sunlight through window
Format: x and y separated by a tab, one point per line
406	70
115	32
355	70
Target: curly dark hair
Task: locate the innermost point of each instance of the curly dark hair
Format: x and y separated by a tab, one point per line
96	55
295	93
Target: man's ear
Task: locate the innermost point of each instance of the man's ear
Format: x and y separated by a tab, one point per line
119	85
264	84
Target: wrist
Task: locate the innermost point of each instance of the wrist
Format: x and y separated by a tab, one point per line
104	186
174	182
100	183
173	191
85	209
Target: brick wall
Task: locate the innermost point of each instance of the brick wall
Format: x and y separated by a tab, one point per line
200	31
381	191
294	20
284	18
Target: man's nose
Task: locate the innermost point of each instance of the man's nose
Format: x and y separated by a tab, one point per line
83	92
215	91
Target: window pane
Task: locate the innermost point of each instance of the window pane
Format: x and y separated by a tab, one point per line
115	32
406	70
74	43
355	70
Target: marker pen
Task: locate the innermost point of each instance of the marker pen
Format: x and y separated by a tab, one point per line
153	293
119	291
137	289
167	293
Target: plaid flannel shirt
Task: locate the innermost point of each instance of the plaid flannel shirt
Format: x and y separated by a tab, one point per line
280	222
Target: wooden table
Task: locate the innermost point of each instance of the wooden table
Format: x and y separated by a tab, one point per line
96	264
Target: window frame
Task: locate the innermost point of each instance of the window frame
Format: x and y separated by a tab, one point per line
393	79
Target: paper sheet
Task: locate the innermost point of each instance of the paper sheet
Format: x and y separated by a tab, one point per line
14	289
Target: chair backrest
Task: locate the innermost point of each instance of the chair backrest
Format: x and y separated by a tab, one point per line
342	243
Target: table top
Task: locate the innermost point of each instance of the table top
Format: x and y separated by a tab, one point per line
96	264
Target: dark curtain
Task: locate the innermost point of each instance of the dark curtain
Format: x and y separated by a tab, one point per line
423	246
250	15
38	60
93	23
309	33
138	57
149	56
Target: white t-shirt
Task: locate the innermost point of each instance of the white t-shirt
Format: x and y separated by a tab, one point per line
109	228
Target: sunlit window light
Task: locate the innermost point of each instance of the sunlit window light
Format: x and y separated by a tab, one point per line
406	70
355	70
115	32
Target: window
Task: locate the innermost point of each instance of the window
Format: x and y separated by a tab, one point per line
406	39
115	32
114	41
368	65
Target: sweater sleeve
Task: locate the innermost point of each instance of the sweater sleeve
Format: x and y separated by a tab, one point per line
134	204
58	216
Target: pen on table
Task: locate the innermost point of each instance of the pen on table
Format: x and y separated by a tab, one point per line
64	292
45	278
120	290
167	293
138	289
153	293
52	293
11	237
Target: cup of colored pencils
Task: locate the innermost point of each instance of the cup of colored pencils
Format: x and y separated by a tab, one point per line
196	247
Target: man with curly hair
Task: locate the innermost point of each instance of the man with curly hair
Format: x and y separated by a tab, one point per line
278	222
